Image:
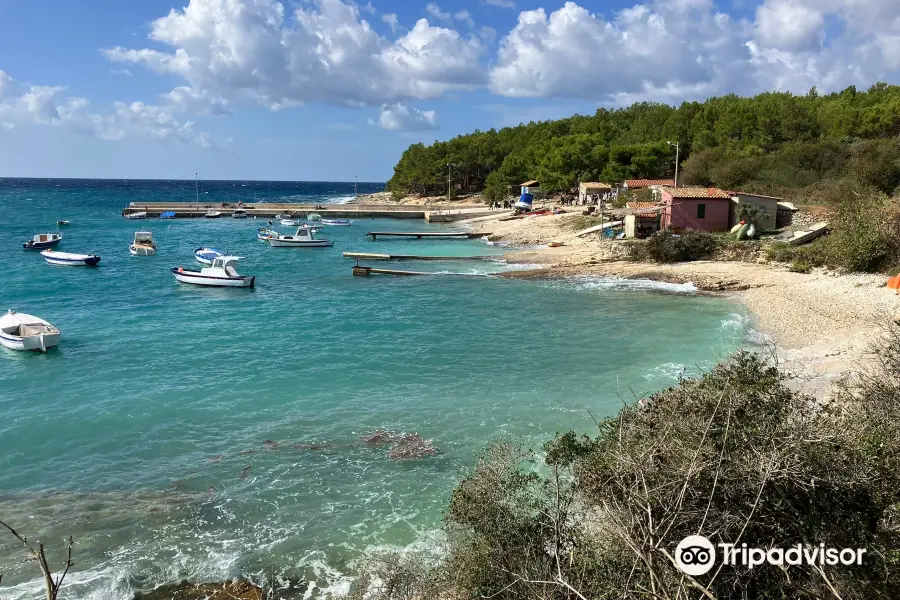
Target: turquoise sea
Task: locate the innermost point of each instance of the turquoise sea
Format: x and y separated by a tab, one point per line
144	434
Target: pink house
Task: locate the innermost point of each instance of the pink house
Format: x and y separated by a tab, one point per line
703	209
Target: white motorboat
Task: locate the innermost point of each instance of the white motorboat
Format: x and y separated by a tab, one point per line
304	237
288	222
136	215
69	259
222	273
143	244
63	222
213	214
284	216
19	331
335	222
42	241
207	255
313	217
264	233
239	213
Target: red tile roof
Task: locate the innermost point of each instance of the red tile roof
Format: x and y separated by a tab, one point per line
643	183
638	205
697	192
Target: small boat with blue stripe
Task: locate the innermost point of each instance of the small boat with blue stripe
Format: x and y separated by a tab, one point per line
340	222
42	241
68	259
206	256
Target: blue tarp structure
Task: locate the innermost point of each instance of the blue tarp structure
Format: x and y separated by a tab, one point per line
169	214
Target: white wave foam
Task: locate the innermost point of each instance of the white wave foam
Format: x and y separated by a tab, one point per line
669	370
735	321
603	283
342	199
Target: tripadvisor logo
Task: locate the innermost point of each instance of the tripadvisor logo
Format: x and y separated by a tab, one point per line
696	555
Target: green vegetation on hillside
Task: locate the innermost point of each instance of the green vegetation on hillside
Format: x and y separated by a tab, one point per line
802	147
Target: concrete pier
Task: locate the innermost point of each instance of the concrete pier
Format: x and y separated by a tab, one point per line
429	234
188	210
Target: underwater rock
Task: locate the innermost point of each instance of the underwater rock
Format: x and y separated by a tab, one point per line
215	458
270	445
244	472
411	446
309	446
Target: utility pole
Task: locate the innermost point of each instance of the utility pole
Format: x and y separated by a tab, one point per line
449	166
197	189
356	184
676	161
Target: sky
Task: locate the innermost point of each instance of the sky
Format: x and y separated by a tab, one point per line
329	90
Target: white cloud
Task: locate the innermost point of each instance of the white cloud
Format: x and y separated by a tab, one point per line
391	19
435	11
464	17
501	3
671	50
399	117
238	51
488	34
42	105
574	53
789	25
369	8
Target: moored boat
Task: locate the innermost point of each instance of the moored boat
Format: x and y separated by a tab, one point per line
136	215
213	214
143	244
264	233
304	237
288	222
239	213
313	217
63	222
42	241
809	234
19	331
70	259
222	273
342	222
207	255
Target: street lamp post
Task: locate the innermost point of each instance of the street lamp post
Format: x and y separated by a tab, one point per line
676	161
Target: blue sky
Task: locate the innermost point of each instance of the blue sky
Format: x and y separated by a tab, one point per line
332	89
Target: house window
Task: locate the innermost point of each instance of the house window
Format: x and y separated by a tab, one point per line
701	211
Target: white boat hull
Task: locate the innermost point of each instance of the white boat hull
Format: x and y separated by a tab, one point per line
283	243
67	259
35	341
136	216
195	278
141	250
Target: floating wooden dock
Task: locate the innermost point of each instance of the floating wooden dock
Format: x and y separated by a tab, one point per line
363	271
371	256
428	234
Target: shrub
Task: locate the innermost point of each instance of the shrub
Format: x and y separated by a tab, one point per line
780	252
863	235
666	247
799	266
734	455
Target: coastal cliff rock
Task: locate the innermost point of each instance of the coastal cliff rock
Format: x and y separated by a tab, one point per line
230	590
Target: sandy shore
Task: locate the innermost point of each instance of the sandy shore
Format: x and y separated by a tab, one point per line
821	324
